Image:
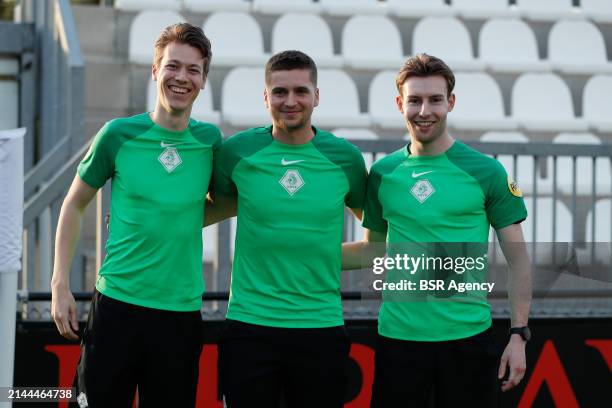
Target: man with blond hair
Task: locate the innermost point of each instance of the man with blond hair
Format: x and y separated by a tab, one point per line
144	325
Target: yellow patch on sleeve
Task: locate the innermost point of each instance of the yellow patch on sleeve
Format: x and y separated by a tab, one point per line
514	188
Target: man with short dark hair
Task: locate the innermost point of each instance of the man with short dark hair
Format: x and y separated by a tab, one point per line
144	326
435	199
285	336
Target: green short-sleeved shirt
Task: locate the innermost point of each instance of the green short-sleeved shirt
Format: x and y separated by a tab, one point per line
159	183
452	197
291	199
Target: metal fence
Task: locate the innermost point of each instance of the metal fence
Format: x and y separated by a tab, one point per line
575	282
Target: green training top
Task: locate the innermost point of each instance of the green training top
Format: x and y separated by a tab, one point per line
291	198
451	197
159	183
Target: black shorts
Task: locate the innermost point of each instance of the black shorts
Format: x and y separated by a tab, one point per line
457	373
127	346
260	366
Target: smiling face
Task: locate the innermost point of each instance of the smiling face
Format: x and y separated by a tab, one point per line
290	97
424	104
179	77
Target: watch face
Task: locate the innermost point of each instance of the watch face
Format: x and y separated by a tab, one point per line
526	333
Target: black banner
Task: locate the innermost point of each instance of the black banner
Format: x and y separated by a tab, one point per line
569	363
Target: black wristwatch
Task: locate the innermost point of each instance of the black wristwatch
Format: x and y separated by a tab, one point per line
524	332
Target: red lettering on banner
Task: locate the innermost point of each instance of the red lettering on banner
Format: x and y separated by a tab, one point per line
364	356
68	356
605	349
549	369
208	381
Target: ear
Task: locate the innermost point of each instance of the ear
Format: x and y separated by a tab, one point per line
154	72
400	103
316	94
451	102
266	101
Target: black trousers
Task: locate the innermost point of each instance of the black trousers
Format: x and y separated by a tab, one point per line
127	346
260	366
457	373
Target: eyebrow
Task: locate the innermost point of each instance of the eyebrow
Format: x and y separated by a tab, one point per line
175	61
426	96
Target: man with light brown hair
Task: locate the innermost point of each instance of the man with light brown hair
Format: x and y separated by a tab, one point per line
438	198
144	325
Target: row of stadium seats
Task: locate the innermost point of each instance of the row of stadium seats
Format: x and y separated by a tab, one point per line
374	42
543	207
540	102
537	10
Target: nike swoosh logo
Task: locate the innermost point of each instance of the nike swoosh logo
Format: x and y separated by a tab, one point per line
288	162
167	144
415	174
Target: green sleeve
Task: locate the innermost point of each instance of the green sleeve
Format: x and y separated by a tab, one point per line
98	165
503	207
225	159
356	174
348	157
234	149
372	214
210	135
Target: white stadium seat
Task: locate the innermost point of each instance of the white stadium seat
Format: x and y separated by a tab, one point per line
355	134
479	104
283	6
547	10
236	39
352	7
372	42
141	5
544	226
596	103
597	10
483	9
603	223
603	232
577	47
542	102
308	33
381	101
202	107
210	238
432	36
144	30
584	169
509	45
210	6
418	8
524	163
242	98
339	101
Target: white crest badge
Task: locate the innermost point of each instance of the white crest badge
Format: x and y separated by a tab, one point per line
292	181
422	190
170	159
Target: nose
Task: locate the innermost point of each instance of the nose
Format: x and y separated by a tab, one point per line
425	109
290	99
180	74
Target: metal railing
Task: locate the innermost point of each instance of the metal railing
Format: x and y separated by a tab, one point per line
59	107
587	291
